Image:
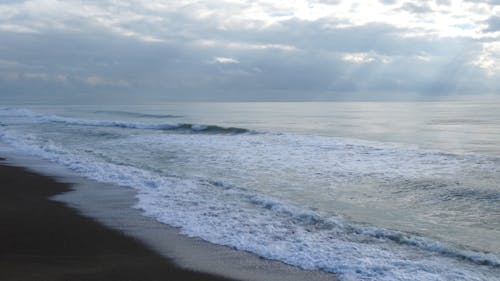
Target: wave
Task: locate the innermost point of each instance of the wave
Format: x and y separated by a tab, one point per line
314	220
180	127
231	215
137	114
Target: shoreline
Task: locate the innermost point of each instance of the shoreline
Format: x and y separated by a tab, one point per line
111	207
45	240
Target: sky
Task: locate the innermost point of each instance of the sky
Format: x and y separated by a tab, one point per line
227	50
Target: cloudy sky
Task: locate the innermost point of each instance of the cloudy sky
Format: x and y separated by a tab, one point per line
138	50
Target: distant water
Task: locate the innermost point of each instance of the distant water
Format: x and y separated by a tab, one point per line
369	191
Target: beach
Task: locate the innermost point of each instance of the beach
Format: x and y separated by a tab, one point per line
247	196
55	226
250	140
45	240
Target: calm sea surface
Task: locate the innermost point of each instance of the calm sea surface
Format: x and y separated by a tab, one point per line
370	191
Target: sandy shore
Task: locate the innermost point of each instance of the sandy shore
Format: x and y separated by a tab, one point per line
59	226
44	240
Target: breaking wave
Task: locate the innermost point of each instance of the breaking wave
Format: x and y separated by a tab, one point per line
227	212
180	127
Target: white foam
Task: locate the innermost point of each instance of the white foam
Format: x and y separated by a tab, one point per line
259	222
199	127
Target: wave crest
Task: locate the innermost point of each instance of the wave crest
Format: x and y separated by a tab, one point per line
181	127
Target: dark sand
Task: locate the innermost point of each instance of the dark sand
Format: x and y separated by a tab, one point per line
43	240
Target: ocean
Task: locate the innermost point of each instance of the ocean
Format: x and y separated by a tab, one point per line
365	190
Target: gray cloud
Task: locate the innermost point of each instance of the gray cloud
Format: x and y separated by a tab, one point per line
98	51
491	2
493	24
388	2
420	8
443	2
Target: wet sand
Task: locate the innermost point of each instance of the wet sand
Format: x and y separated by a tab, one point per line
41	239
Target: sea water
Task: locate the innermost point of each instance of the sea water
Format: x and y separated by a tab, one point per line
369	191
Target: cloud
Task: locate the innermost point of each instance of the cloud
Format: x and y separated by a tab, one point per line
421	8
388	2
238	45
246	50
10	64
443	2
16	28
95	80
358	58
365	58
225	60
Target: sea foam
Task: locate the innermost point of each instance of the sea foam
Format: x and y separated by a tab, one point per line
272	228
227	211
